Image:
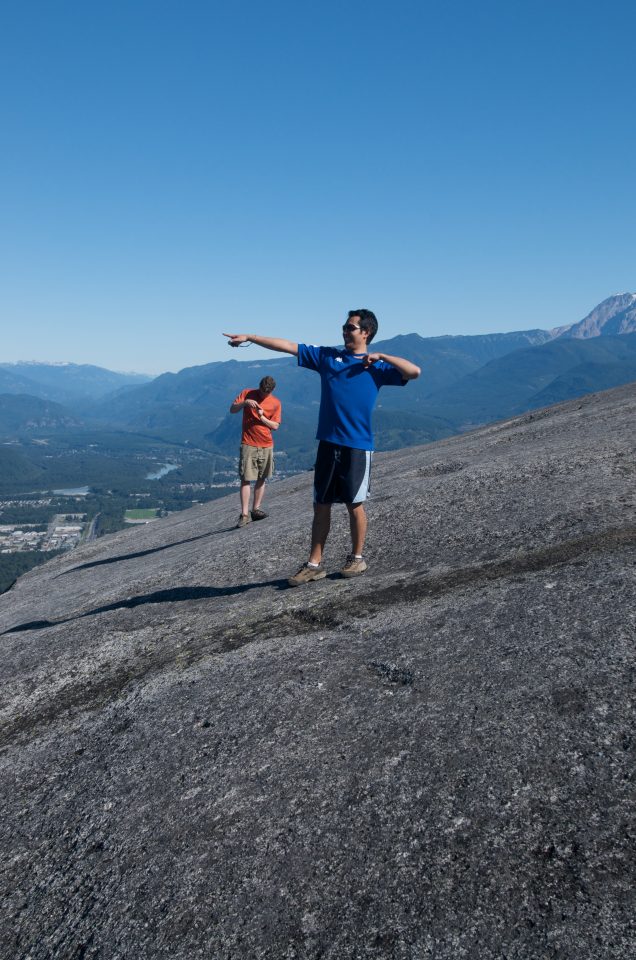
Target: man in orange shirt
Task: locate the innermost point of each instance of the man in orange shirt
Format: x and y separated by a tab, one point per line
261	416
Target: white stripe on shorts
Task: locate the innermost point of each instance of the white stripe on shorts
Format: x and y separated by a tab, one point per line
363	491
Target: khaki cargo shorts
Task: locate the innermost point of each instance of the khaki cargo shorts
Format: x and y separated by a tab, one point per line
256	463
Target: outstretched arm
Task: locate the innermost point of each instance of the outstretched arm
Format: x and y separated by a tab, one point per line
270	343
408	370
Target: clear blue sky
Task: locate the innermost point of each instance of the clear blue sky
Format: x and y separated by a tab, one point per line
170	170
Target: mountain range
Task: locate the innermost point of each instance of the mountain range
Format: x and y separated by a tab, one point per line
466	381
69	383
537	377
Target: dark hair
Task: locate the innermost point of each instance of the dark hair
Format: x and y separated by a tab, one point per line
267	384
368	322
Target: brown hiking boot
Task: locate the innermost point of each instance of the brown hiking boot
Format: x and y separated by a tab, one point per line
354	566
306	574
243	520
259	515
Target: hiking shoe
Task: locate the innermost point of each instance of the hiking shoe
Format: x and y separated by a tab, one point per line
354	566
243	520
306	574
259	514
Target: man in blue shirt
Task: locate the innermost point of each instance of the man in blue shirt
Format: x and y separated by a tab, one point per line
350	379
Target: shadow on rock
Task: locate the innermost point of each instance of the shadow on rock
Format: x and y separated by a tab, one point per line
175	595
140	553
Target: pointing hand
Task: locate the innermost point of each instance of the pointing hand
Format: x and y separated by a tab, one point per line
236	339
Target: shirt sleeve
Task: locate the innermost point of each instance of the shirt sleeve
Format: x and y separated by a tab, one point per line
387	375
309	356
241	397
275	417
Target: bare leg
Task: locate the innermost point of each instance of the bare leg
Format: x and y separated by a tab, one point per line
358	524
245	496
259	493
319	531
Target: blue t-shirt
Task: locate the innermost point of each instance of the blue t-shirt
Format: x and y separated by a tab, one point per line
348	395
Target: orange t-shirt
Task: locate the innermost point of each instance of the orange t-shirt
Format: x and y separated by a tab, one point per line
255	433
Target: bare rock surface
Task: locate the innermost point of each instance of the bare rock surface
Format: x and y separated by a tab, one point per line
434	760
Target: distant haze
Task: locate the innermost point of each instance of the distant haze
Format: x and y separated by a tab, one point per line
466	381
615	315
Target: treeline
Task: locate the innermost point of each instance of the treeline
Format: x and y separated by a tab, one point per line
28	513
17	472
110	509
13	565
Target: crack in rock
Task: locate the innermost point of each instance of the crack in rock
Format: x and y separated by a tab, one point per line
298	622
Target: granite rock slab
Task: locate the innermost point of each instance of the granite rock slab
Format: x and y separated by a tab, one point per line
434	760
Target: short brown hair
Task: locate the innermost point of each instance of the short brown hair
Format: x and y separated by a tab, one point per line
267	384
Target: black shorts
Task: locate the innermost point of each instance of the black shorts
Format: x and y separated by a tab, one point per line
341	474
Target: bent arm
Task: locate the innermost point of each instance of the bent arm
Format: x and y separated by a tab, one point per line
409	371
239	405
272	424
270	343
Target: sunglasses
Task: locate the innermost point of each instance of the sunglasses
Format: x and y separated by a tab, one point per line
350	327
